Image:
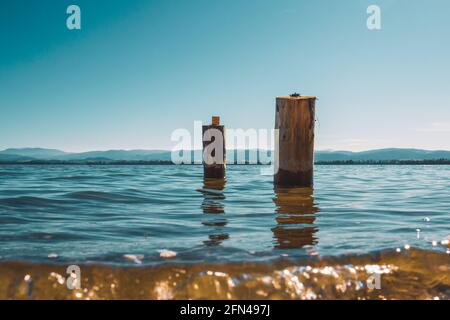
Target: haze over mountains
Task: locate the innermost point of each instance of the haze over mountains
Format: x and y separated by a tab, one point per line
32	154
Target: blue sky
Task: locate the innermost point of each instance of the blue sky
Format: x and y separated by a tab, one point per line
137	70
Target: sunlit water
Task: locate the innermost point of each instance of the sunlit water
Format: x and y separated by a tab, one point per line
128	215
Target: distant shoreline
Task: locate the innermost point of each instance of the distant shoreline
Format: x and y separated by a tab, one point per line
164	157
165	163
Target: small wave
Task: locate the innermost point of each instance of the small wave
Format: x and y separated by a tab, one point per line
12	220
120	175
106	197
413	274
71	178
42	236
10	173
30	201
186	175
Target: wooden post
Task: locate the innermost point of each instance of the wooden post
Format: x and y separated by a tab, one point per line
217	168
294	152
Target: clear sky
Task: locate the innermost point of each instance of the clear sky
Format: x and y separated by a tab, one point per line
137	70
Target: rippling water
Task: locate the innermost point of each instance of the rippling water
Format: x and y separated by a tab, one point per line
128	215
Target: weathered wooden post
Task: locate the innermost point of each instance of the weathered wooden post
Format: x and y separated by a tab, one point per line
214	153
294	150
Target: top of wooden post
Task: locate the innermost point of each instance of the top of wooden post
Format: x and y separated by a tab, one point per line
215	121
296	96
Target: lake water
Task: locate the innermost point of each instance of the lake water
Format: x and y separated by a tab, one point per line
167	217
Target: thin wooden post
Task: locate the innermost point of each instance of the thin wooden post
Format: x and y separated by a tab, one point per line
214	166
294	154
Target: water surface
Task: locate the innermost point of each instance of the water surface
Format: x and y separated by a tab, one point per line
100	215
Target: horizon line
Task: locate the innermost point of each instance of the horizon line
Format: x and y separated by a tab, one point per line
243	149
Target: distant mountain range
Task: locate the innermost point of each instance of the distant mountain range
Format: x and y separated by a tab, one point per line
41	154
382	155
30	154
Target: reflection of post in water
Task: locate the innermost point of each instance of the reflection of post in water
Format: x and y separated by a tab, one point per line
295	209
214	209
